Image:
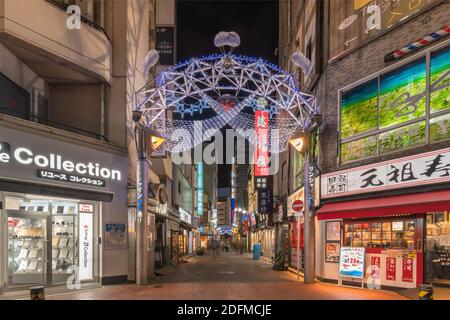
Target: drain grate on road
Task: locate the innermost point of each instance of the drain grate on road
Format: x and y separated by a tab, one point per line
226	272
157	286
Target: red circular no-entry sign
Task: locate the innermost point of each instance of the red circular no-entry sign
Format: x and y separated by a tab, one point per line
297	205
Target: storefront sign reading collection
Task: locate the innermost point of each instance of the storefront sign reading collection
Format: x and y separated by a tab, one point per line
432	167
56	167
51	175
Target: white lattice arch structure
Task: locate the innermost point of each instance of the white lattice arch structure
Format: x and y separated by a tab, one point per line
192	95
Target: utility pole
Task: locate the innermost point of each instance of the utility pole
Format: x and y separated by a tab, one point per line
141	204
308	224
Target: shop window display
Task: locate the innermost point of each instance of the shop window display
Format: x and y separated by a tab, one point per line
385	234
42	239
26	248
64	237
438	247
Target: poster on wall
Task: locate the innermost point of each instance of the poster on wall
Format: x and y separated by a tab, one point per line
333	231
332	252
407	270
115	236
391	268
375	267
351	263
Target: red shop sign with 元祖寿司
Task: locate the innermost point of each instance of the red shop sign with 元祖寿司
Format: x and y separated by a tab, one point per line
391	268
408	266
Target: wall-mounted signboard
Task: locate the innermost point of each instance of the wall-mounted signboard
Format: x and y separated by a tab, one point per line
427	168
165	44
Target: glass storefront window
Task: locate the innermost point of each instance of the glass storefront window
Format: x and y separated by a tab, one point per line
440	80
437	254
43	239
395	234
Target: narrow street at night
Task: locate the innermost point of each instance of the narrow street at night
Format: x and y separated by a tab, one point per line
227	276
263	156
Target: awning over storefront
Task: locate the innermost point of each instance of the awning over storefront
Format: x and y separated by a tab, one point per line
384	206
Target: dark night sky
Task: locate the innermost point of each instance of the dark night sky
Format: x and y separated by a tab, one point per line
198	22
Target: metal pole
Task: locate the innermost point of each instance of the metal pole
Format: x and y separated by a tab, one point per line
308	224
141	206
298	247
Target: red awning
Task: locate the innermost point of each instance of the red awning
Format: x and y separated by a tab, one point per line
385	206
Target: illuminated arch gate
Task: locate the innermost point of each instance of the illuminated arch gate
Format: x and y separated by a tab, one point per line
202	95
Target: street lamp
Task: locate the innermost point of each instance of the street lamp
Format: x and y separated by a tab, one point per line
146	140
153	139
299	141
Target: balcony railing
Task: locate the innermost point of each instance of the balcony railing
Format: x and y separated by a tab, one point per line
53	124
64	6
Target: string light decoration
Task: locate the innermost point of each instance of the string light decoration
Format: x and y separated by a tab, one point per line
201	95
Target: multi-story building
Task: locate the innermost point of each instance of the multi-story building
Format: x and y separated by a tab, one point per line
67	87
208	222
167	218
300	30
383	147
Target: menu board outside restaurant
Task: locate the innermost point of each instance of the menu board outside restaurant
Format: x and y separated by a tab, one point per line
351	263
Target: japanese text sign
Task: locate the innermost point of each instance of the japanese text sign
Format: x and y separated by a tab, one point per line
391	268
265	204
407	270
351	262
427	168
262	139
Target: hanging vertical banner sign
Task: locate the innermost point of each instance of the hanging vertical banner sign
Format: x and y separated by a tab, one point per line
165	44
233	191
86	252
200	189
407	270
265	204
391	268
253	219
139	194
262	138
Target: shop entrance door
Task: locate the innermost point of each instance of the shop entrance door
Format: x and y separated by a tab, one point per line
28	248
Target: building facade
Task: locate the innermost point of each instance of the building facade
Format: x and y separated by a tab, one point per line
64	129
384	142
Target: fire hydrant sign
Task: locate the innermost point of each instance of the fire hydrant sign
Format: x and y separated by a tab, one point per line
351	262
